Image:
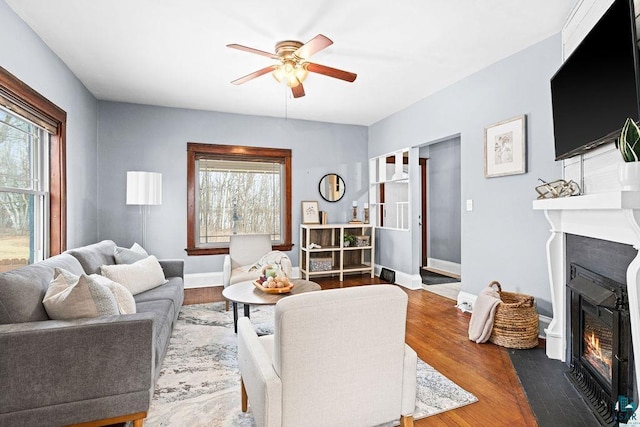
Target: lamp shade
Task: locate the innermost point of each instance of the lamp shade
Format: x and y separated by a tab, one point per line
144	188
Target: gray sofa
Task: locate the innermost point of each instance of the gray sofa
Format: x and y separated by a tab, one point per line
103	370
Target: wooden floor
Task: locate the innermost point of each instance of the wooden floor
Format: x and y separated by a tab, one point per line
437	331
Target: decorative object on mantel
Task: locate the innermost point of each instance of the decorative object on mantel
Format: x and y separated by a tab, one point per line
557	188
515	324
505	147
629	146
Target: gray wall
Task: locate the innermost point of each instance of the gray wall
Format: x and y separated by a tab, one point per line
445	207
138	137
503	238
37	66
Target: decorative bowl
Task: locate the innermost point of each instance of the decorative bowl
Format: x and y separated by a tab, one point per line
273	290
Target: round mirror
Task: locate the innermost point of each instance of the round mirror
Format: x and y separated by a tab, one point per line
331	187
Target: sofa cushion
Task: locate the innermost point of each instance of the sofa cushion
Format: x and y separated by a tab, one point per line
123	296
92	257
162	326
137	277
172	291
76	297
22	289
129	256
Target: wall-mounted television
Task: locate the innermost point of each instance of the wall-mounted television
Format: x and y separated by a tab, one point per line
596	88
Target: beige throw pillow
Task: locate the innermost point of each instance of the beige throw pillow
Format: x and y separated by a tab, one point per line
137	277
73	297
123	296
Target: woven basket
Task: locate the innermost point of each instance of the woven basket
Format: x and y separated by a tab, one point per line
515	324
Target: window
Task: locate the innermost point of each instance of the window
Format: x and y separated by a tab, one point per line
32	175
24	190
237	190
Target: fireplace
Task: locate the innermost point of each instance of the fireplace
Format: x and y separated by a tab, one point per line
601	355
612	216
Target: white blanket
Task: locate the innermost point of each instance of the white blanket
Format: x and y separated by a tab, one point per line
273	257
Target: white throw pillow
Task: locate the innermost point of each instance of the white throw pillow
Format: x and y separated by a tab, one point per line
137	277
129	256
73	297
123	296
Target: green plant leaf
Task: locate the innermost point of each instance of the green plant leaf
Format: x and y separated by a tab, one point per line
629	141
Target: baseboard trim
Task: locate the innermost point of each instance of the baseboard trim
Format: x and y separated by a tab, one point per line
202	280
445	266
409	281
543	324
466	299
214	278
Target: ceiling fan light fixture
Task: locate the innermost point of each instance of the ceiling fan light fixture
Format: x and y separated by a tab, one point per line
301	71
292	80
278	74
290	73
293	68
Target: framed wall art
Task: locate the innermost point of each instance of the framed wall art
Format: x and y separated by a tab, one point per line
505	147
310	212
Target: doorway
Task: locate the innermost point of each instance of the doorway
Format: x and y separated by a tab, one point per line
441	211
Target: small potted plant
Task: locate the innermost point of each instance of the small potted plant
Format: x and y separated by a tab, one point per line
349	240
629	146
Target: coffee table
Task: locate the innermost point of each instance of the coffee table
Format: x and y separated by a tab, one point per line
247	294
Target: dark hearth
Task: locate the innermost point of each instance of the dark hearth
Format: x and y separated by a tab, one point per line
601	359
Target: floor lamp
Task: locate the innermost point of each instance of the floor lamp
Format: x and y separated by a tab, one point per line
144	189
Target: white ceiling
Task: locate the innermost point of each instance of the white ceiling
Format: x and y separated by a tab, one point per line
173	52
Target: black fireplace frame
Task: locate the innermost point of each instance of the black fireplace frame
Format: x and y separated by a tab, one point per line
607	301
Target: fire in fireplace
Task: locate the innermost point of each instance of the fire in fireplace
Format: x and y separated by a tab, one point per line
597	346
601	357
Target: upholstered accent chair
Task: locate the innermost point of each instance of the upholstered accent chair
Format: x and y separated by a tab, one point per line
337	357
245	250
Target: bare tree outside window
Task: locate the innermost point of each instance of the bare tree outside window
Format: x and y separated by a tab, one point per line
238	197
237	190
23	191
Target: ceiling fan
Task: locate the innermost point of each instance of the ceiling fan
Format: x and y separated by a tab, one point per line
294	65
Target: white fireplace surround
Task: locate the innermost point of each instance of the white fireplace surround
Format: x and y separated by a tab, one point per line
613	216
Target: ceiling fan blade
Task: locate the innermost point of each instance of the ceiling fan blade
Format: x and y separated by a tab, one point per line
314	45
253	75
331	72
297	91
252	50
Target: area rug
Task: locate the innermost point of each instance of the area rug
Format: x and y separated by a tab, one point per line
433	278
199	383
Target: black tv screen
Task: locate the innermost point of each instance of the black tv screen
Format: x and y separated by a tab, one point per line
596	88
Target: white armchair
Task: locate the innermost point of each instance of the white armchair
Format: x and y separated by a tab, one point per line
244	251
337	357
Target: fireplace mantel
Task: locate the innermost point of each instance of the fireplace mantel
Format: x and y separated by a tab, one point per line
613	216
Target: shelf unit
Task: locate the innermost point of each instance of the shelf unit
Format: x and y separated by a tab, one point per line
389	190
344	260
